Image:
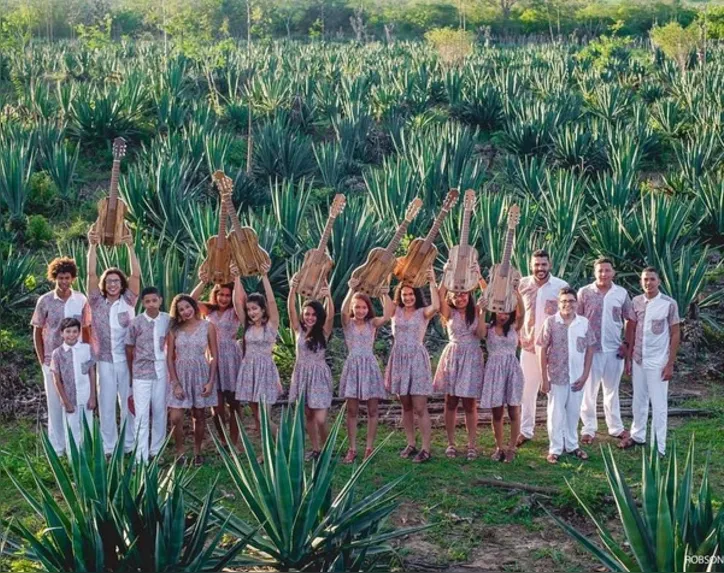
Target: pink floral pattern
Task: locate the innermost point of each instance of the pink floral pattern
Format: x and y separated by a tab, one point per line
361	375
258	378
528	289
461	367
50	310
192	368
409	372
590	305
140	335
311	376
101	322
61	363
554	340
227	326
658	326
503	385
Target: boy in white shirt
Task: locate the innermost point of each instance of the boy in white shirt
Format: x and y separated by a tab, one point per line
146	356
565	353
73	368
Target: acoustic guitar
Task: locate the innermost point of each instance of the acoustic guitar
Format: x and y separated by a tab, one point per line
218	249
249	257
500	295
110	224
317	263
460	275
411	270
381	262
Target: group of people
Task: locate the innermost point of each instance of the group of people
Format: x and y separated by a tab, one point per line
96	352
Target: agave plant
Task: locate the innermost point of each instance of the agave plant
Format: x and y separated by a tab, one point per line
304	524
60	163
675	527
710	195
116	516
331	164
16	166
16	279
664	223
290	203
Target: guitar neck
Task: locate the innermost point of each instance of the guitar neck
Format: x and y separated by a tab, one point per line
231	213
324	239
465	231
397	238
435	229
507	251
223	214
115	171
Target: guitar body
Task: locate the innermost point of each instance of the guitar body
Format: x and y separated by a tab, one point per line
412	269
110	224
373	274
248	255
217	262
460	276
314	272
500	294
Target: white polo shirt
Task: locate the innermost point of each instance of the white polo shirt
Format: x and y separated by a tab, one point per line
539	302
654	319
606	311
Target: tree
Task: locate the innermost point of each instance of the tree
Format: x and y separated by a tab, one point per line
505	6
676	41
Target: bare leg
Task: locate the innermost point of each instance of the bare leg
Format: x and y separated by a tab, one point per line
451	408
220	417
514	415
498	427
372	420
311	428
199	416
408	419
234	411
256	414
423	415
471	420
176	418
320	419
352	419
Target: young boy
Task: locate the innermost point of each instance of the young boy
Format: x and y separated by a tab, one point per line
73	368
565	353
146	355
62	302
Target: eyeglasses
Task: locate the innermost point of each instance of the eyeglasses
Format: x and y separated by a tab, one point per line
113	281
567	301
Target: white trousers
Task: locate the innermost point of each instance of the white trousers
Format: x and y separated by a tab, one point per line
149	397
564	409
649	387
56	419
114	388
74	421
532	383
606	370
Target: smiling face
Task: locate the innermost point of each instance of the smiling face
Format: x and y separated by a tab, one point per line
254	312
113	285
309	316
223	298
63	282
650	283
541	268
567	305
185	310
501	318
460	299
407	295
360	310
70	335
604	274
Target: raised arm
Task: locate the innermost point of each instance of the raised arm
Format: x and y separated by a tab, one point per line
329	307
434	306
482	331
271	302
134	279
346	303
199	289
519	311
91	272
292	303
444	306
388	309
239	295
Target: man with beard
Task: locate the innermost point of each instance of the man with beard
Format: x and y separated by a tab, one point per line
540	300
50	310
606	305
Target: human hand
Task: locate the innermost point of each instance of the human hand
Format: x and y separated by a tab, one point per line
178	391
545	386
577	386
70	408
206	390
234	270
93	236
627	366
91	405
668	372
127	238
131	405
324	291
353	283
294	281
265	268
204	276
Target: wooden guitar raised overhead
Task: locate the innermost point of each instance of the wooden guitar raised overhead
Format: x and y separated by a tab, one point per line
249	257
111	225
500	295
412	269
317	263
218	248
460	275
381	262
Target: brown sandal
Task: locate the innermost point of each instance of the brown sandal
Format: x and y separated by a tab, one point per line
422	457
628	443
350	457
408	452
580	454
451	452
509	455
498	455
586	439
552	458
368	452
522	440
625	435
472	454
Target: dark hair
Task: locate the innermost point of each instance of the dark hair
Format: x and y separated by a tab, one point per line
173	311
602	261
470	310
61	265
367	300
541	253
113	271
150	290
259	300
651	270
568	290
213	305
508	323
69	322
315	338
419	297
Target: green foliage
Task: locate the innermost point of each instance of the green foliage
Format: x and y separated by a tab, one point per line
16	167
42	193
674	529
16	279
676	41
453	46
39	232
607	51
